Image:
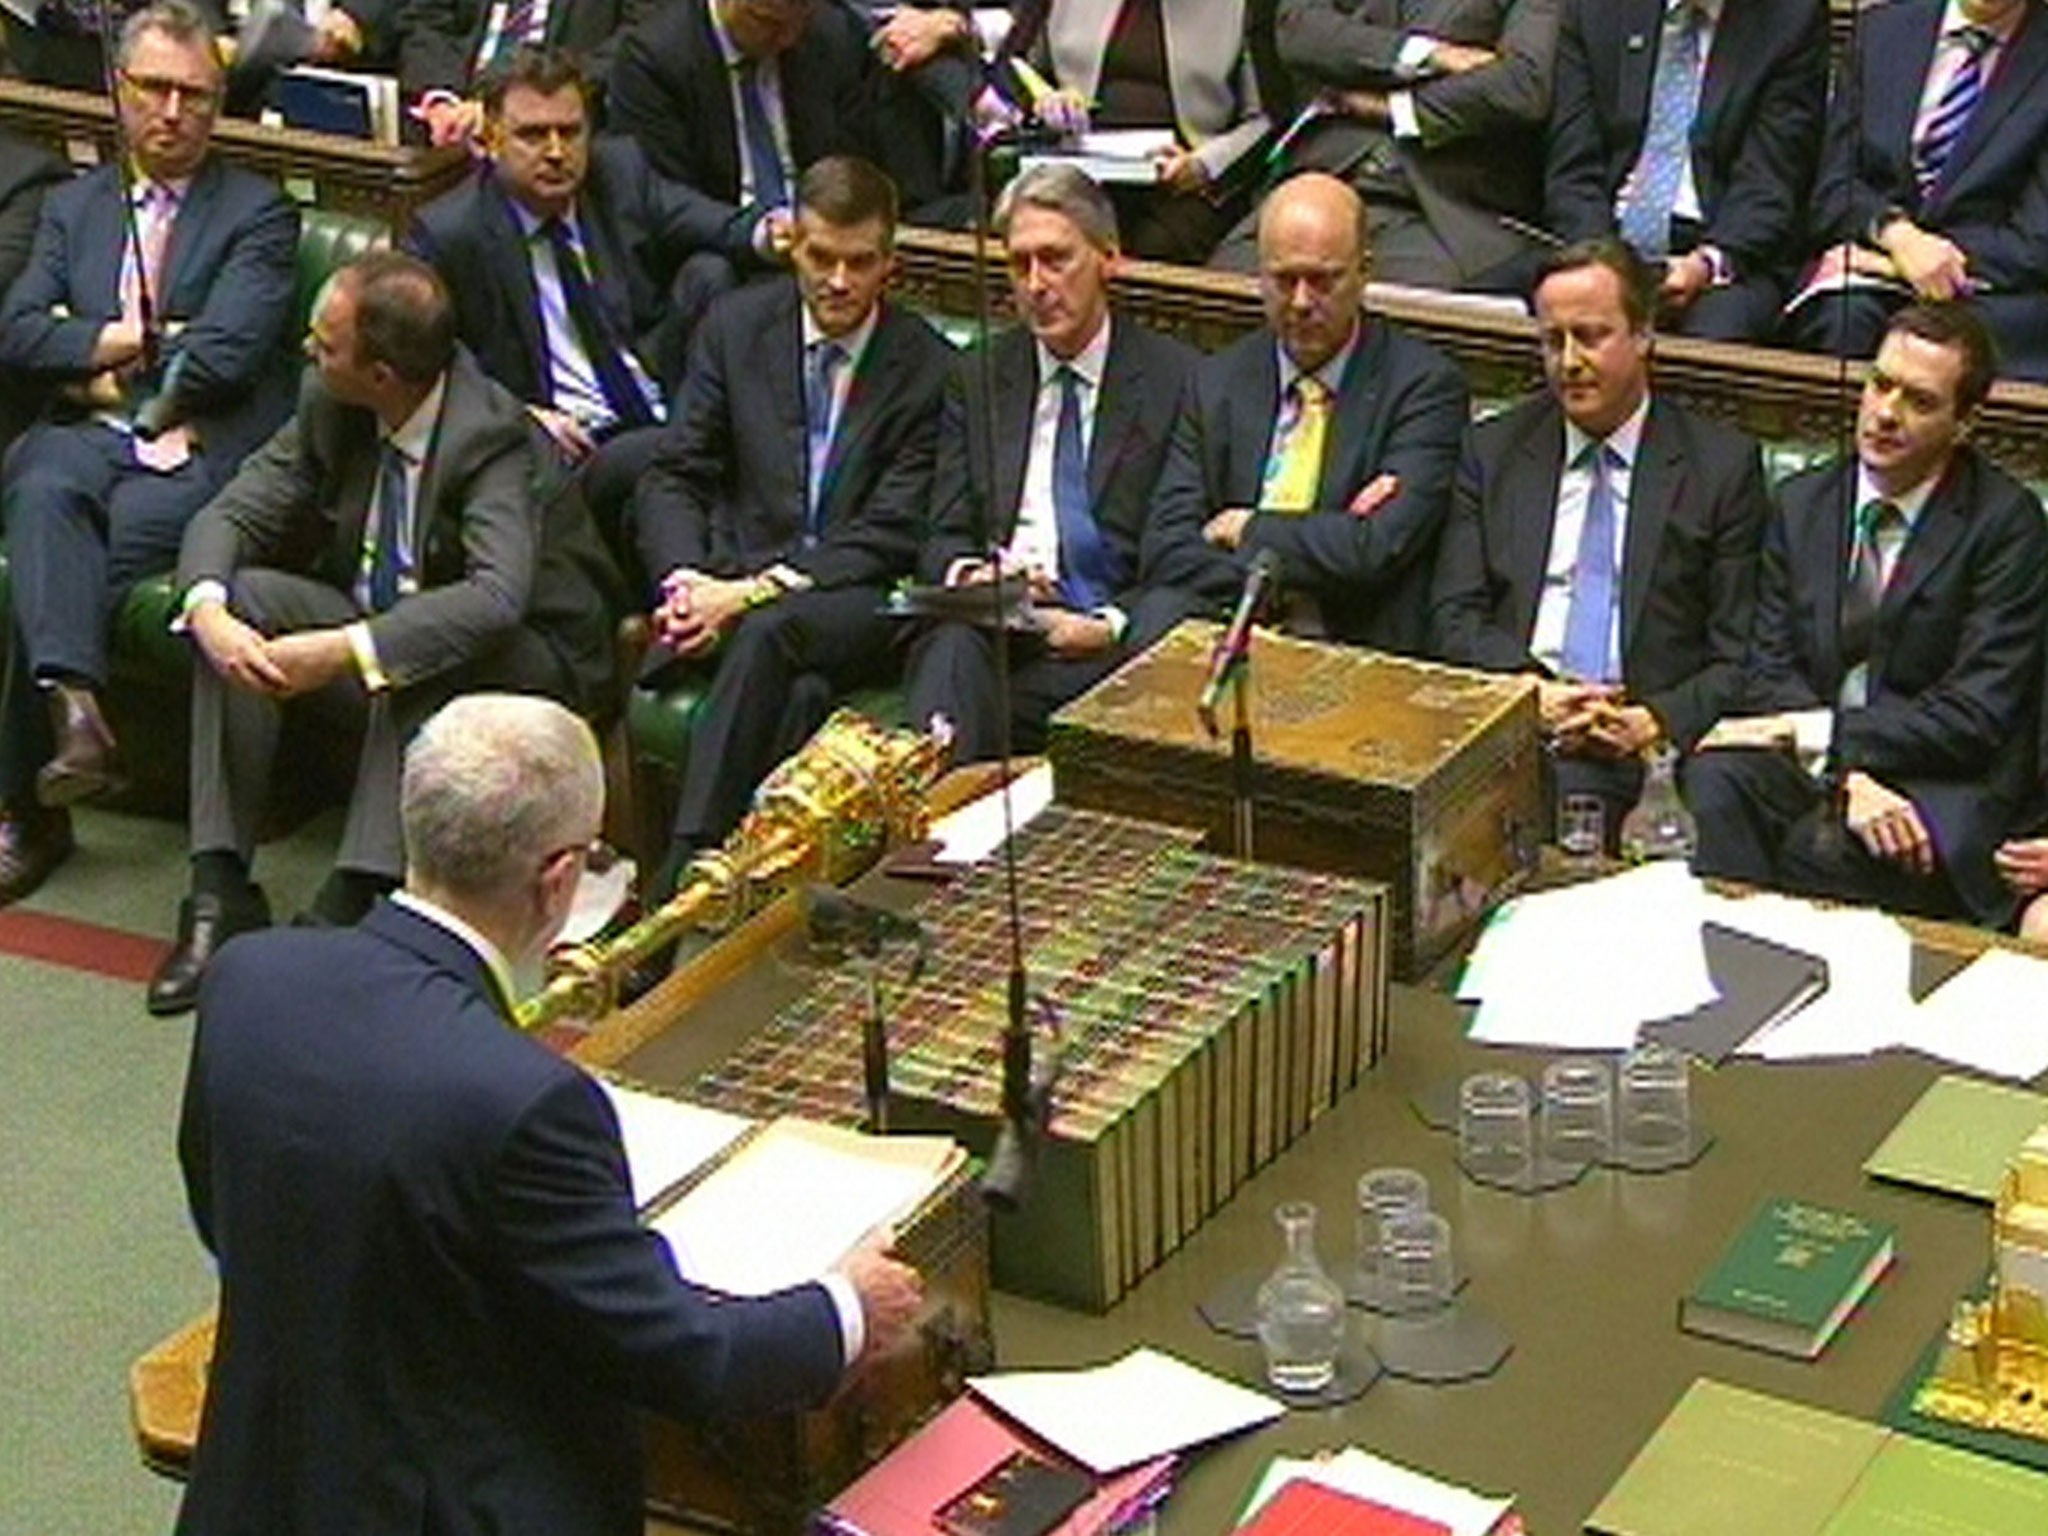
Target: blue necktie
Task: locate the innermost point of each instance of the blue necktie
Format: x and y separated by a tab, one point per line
821	373
771	189
1086	582
600	340
390	559
1950	119
1589	625
1645	218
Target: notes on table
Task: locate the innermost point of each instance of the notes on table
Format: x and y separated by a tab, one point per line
667	1139
977	829
1358	1472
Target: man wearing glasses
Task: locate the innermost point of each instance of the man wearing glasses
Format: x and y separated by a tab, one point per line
154	311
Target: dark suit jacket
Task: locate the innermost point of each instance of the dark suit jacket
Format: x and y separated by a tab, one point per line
638	226
1955	662
1755	139
497	549
1992	199
726	492
228	284
1480	154
438	39
27	171
426	1214
1142	379
1400	410
671	91
1688	570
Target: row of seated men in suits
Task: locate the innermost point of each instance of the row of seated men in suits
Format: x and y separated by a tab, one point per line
1707	133
817	424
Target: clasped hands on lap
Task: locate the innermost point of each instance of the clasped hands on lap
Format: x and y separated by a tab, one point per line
282	666
1594	720
1065	632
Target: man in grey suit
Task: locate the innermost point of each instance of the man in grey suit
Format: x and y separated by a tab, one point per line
1604	539
386	550
1434	110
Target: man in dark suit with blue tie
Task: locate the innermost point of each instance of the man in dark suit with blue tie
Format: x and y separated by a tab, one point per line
569	264
154	307
437	1308
1934	181
789	491
1082	410
1691	128
1324	437
1886	728
392	545
1604	539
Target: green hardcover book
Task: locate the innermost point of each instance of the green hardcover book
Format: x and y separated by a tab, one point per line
1917	1488
1790	1279
1958	1137
1726	1462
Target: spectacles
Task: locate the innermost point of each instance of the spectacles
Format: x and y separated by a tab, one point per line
597	857
157	91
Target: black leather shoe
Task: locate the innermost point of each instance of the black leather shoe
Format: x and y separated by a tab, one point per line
33	842
86	763
205	922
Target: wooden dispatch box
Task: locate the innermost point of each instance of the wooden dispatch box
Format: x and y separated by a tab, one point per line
1424	776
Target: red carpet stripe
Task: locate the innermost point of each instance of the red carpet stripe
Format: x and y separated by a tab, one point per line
80	946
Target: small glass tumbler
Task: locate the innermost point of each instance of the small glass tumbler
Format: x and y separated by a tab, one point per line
1577	1123
1416	1265
1493	1127
1655	1103
1582	827
1383	1194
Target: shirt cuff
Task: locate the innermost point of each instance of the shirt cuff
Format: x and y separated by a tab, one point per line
1417	54
439	97
365	651
788	578
1401	111
959	567
853	1328
197	596
1813	732
1118	621
1720	270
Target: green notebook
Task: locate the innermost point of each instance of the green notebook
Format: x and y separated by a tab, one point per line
1917	1488
1959	1137
1790	1279
1726	1462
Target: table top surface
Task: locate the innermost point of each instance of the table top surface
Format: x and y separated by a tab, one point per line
1586	1281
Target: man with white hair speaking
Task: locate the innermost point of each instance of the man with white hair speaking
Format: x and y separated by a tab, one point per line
436	1305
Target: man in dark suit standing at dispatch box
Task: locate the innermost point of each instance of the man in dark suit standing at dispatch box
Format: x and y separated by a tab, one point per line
386	550
155	305
1690	128
1603	538
436	1303
788	493
1083	408
1324	437
1897	649
1934	182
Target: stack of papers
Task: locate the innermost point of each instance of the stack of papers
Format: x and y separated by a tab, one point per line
1146	1405
1363	1475
666	1139
1110	155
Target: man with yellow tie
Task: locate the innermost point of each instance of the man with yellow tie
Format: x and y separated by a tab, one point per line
1329	439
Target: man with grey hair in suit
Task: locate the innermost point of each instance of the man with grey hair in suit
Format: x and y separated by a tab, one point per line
388	549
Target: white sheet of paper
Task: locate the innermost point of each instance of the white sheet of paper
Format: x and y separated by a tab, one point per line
976	830
1991	1015
598	900
1870	963
667	1140
1359	1472
792	1202
1117	1415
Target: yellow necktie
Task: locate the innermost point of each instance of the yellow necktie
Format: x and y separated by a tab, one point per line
1296	466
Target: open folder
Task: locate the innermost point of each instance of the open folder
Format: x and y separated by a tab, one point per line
1761	984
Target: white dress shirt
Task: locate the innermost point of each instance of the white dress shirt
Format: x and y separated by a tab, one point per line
1574	487
1036	543
573	384
768	76
1949	54
1687	205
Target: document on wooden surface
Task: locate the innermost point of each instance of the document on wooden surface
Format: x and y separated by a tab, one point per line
977	829
1366	1476
1114	1416
795	1199
667	1139
1992	1015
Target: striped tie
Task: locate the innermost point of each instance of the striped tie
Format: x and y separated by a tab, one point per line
1951	116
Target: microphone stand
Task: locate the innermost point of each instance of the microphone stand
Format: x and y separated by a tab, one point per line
124	169
1230	667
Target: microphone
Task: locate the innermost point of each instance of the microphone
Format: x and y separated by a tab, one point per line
158	414
1259	583
1030	1079
836	917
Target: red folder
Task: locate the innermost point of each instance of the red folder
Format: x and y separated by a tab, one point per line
1305	1508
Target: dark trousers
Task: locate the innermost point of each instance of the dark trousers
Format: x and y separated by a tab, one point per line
1852	325
952	672
1616	783
1766	821
609	476
84	524
235	730
775	679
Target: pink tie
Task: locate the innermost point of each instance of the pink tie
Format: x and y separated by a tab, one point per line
153	220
